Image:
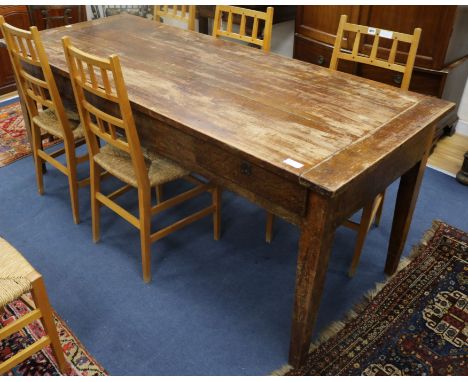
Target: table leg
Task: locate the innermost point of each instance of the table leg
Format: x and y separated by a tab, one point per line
314	250
407	196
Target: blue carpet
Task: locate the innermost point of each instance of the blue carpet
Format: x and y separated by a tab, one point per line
213	308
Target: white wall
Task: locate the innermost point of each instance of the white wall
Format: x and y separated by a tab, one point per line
462	125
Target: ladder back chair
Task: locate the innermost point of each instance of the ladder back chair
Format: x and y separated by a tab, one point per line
99	86
372	212
45	108
183	13
257	18
357	55
18	277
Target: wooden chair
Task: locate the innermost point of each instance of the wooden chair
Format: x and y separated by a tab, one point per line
123	157
256	17
46	111
183	13
17	277
373	210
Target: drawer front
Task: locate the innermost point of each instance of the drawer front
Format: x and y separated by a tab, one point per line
318	53
288	194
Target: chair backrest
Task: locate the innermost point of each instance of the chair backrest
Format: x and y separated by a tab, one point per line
372	58
33	74
255	18
183	13
102	101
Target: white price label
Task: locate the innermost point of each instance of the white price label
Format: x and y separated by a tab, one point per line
371	30
293	163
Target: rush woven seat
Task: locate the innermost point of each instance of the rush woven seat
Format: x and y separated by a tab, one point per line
14	271
48	122
17	277
119	164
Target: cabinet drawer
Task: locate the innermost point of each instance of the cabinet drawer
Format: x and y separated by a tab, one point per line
318	53
421	82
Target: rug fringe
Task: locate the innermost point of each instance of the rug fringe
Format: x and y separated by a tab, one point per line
336	326
282	371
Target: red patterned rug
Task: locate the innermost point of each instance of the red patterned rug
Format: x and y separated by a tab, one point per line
43	362
14	142
414	324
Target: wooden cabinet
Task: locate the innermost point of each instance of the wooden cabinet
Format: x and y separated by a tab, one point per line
441	66
18	16
23	16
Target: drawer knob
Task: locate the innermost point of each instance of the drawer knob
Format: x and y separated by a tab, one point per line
397	78
320	60
246	168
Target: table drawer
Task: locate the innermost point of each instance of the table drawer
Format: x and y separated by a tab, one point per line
272	187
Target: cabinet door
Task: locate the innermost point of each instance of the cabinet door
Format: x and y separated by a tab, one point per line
436	22
17	16
52	16
320	22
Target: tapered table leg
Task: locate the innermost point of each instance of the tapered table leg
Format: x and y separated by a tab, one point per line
407	196
314	250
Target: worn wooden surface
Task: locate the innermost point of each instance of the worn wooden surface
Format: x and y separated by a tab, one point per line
234	114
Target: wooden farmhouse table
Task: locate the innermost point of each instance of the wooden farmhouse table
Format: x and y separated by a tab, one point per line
306	143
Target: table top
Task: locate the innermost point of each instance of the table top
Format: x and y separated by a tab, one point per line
270	107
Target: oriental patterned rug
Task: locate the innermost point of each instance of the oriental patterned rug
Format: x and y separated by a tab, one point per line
43	362
14	142
414	324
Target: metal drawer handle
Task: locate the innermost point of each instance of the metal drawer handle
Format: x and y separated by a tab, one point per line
320	60
397	78
246	168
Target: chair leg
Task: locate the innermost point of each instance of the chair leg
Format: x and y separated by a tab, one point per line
269	227
41	301
216	195
95	182
144	202
364	226
73	182
378	215
36	145
159	193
